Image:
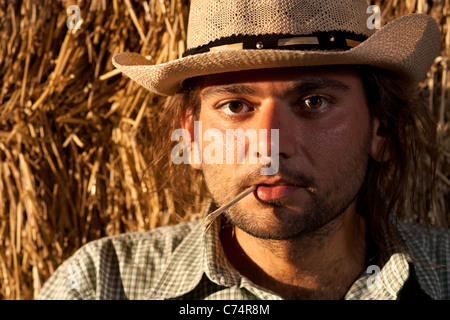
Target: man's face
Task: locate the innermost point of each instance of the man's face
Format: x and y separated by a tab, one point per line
325	140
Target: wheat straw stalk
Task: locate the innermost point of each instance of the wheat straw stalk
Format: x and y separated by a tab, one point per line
209	219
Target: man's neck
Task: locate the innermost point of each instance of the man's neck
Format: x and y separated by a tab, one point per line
322	265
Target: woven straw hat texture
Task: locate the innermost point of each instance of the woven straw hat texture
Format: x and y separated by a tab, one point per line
211	20
406	46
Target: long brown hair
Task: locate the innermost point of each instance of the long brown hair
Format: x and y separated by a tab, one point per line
398	189
402	188
184	184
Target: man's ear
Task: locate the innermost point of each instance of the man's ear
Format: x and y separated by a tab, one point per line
194	149
380	149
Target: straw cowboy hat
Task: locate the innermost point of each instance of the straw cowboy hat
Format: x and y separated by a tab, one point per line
235	35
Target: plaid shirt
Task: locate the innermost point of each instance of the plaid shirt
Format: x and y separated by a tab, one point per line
184	262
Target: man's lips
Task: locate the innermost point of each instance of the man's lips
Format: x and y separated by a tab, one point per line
267	192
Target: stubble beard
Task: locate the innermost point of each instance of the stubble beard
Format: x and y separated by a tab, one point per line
312	219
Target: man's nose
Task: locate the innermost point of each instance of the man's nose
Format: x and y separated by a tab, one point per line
274	124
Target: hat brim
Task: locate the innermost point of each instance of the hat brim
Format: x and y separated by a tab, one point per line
406	46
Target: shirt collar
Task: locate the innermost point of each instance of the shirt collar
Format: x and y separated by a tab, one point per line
381	284
201	253
216	265
184	269
387	282
198	254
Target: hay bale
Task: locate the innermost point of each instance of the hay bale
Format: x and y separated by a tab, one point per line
73	157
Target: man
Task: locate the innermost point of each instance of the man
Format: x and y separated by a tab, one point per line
331	102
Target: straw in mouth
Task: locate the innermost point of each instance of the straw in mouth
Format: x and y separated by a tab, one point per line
209	219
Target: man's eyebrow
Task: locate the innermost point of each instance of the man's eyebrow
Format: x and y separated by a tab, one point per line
303	85
312	84
228	89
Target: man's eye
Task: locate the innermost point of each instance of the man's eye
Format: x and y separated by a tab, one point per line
234	107
315	103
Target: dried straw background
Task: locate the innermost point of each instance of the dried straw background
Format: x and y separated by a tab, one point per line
73	131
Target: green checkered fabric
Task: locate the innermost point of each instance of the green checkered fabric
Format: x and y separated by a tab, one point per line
184	262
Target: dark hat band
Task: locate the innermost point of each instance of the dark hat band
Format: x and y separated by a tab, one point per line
326	41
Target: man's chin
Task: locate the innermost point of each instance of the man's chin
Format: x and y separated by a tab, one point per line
270	228
270	235
275	221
